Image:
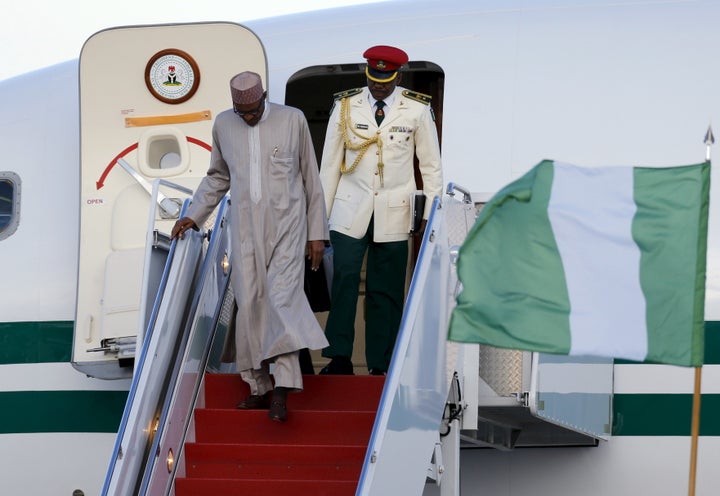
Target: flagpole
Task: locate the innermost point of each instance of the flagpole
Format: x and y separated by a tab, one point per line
695	429
695	425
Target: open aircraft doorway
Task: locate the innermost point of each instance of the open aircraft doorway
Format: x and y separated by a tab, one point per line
311	90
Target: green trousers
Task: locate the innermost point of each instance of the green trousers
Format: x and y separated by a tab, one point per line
384	296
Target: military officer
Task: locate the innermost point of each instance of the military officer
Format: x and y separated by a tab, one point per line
368	179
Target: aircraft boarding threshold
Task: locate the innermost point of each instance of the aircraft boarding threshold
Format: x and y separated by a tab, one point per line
438	397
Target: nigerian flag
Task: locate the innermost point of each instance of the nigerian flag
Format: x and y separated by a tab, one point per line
604	261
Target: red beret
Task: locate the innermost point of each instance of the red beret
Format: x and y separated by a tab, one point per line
383	61
385	58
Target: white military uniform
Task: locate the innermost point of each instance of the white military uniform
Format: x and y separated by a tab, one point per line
352	198
368	178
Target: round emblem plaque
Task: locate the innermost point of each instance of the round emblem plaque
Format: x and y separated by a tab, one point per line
172	76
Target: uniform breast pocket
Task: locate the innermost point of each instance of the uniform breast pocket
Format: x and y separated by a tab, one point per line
281	174
399	138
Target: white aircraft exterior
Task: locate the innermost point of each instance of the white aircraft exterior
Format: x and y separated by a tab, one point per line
596	83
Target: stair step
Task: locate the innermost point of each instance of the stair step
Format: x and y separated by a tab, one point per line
302	427
232	487
319	450
321	392
298	462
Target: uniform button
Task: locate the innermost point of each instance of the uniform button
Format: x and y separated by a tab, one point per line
376	173
376	193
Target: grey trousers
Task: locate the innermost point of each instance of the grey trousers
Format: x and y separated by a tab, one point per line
286	373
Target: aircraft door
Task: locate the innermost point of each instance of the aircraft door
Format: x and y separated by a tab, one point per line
148	96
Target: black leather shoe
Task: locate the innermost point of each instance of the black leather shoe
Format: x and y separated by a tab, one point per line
377	372
255	402
278	405
339	365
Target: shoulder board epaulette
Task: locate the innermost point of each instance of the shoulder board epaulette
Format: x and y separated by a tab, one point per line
344	94
418	97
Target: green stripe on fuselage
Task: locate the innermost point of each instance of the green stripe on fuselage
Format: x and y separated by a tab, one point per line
61	411
100	411
663	414
46	342
35	342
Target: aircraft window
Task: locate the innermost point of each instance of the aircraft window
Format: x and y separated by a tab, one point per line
9	203
170	160
162	152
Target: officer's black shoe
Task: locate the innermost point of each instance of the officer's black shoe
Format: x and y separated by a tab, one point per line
377	372
339	365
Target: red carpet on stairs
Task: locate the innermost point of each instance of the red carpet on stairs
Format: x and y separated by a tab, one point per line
319	450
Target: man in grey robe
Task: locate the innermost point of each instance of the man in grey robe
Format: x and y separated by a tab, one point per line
263	154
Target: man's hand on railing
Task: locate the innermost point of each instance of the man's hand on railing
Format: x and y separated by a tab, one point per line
181	226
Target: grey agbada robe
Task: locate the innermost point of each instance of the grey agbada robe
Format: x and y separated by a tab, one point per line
276	206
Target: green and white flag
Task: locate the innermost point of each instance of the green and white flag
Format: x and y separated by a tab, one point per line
606	261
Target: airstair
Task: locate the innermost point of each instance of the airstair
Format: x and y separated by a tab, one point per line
319	450
400	434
